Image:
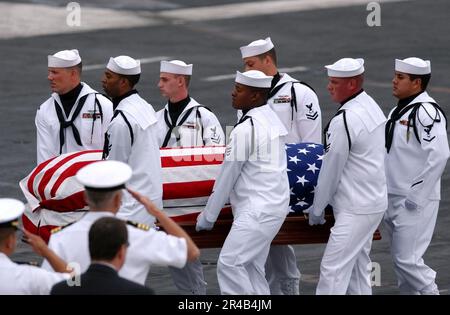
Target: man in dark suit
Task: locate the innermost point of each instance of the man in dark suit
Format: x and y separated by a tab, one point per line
108	242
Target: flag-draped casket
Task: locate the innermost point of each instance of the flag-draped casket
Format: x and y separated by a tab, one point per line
55	198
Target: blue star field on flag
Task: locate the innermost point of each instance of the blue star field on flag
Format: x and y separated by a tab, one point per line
303	166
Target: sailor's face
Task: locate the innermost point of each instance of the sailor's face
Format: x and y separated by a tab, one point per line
168	84
60	79
402	86
338	88
111	83
256	63
241	96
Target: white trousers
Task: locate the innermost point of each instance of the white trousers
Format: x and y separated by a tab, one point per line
189	279
240	269
409	233
282	272
346	266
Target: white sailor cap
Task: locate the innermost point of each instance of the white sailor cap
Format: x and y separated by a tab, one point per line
256	48
64	59
10	212
104	175
413	65
346	68
124	65
254	78
176	67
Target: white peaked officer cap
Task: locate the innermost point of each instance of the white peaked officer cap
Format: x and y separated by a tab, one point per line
346	68
256	47
413	65
104	175
254	78
64	59
124	65
10	212
176	67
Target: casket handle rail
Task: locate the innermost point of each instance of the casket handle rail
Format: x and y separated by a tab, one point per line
295	230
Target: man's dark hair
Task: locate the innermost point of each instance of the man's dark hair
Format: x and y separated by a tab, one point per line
264	92
424	79
133	79
271	53
106	237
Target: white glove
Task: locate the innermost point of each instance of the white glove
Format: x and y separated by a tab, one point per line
411	205
203	223
316	219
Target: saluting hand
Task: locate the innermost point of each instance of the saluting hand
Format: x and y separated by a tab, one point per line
36	242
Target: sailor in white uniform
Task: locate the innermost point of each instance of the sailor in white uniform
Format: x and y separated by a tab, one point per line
14	278
417	152
254	177
75	117
183	122
352	180
297	106
132	136
103	182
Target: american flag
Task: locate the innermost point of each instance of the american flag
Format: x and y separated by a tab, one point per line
303	166
55	198
188	179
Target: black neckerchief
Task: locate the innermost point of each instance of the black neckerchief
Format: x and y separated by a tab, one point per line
68	99
405	101
403	106
175	109
275	80
117	100
351	97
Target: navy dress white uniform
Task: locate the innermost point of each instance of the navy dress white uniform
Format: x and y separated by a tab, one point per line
297	106
254	178
417	152
83	128
21	279
147	246
195	126
353	181
132	138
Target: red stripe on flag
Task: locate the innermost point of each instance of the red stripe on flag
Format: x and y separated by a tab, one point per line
70	171
191	160
225	213
187	189
49	173
68	204
28	225
34	174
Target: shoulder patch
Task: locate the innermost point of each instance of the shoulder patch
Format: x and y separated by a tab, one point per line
60	228
140	226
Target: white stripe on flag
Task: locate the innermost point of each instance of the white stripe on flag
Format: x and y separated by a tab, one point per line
172	175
